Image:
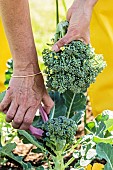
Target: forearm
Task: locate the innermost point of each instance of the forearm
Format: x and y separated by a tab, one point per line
16	20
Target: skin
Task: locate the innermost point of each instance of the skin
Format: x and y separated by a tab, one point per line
79	16
24	95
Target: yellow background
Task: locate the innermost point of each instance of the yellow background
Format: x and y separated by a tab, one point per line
101	92
4	56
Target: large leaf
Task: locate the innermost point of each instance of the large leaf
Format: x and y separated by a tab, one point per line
78	116
105	151
7	151
74	102
97	127
103	140
60	107
87	153
101	126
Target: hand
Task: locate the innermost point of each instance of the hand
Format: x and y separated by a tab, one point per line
79	16
22	100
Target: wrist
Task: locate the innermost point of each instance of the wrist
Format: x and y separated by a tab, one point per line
91	3
26	69
87	4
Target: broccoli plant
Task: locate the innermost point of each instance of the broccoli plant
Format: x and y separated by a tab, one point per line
57	137
74	67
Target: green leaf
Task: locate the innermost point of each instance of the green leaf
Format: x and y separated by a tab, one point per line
74	102
77	117
97	127
109	125
60	107
2	96
103	140
9	72
8	148
90	125
40	168
37	122
10	63
7	151
31	139
38	150
105	151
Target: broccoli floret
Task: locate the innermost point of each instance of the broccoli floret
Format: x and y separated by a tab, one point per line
74	68
59	132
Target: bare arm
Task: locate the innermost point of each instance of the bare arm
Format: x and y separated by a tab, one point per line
24	95
17	24
79	16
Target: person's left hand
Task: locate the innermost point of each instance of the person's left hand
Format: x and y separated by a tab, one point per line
23	98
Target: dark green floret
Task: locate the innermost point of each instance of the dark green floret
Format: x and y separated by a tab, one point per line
59	132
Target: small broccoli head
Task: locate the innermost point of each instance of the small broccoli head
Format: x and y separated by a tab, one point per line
59	132
74	68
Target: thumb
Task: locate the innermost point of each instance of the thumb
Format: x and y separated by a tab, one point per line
69	14
63	41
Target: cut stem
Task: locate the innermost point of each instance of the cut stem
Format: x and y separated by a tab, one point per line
57	13
69	111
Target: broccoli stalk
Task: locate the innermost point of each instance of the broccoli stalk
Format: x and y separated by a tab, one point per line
59	137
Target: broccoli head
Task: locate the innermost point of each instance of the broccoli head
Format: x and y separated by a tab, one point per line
73	68
59	132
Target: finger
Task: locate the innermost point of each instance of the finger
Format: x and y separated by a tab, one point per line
84	39
87	38
28	118
5	102
11	112
19	116
69	13
48	103
43	114
65	40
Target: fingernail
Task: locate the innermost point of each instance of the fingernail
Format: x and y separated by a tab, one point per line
55	48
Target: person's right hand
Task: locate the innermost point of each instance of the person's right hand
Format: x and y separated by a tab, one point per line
23	98
79	16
